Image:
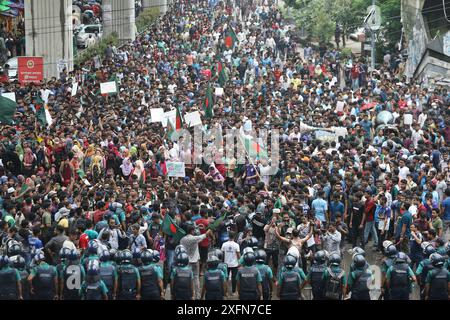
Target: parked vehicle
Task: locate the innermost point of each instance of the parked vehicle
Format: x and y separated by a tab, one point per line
96	30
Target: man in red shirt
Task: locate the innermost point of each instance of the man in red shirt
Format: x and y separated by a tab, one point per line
369	219
355	76
277	74
98	214
203	246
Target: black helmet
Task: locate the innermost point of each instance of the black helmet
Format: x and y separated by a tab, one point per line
401	258
93	268
73	255
127	256
447	248
429	250
4	261
105	255
391	251
359	261
182	259
92	247
118	256
212	262
19	262
156	256
180	248
251	243
320	257
290	261
218	253
249	259
335	259
64	252
14	250
147	256
261	256
437	260
358	250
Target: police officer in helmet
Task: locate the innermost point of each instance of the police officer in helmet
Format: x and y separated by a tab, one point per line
71	277
222	265
214	285
437	282
182	278
151	276
424	267
20	265
315	275
108	273
249	279
399	277
289	281
360	279
266	274
129	287
43	279
93	288
334	278
390	253
10	281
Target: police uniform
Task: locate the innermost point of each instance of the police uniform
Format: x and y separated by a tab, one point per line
358	282
399	276
128	277
315	277
69	271
214	280
385	265
150	274
289	282
267	276
438	279
93	288
248	278
25	285
9	277
44	281
422	270
334	280
182	277
108	274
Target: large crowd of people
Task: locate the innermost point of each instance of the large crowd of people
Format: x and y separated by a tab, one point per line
88	195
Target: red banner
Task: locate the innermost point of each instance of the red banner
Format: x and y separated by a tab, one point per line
30	69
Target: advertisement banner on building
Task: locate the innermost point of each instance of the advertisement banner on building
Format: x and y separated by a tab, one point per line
30	69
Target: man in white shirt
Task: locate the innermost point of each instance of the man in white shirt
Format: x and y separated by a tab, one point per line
190	242
403	171
231	252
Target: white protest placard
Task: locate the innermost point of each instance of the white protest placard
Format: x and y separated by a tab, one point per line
339	106
176	169
108	87
408	119
10	96
74	88
157	114
169	116
193	119
219	92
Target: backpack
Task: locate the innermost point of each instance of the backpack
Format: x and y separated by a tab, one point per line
333	289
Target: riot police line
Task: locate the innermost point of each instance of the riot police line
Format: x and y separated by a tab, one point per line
125	275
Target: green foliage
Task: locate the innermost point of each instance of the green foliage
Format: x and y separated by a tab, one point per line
346	52
147	18
390	24
97	49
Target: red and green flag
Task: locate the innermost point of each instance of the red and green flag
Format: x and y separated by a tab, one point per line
172	127
252	148
7	110
230	38
208	103
171	228
221	74
216	223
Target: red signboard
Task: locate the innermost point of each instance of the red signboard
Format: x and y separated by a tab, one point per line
30	69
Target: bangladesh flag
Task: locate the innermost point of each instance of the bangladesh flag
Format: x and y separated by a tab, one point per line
214	225
172	127
221	73
171	228
230	38
252	148
208	103
42	113
7	109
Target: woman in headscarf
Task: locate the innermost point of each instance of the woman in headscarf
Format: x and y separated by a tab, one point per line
29	162
127	168
215	175
96	167
139	171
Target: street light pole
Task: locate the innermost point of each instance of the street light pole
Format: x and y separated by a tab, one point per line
373	44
